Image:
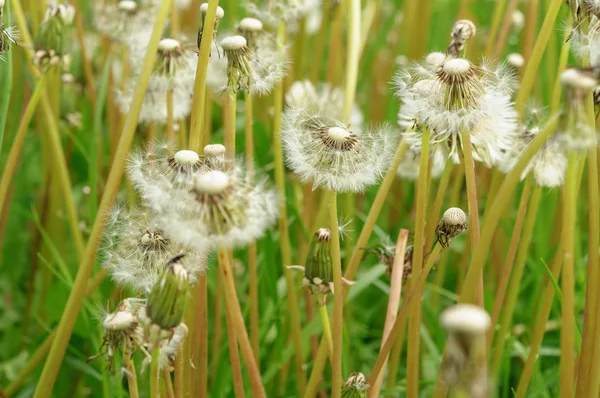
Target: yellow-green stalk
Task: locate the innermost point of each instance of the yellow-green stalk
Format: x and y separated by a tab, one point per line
75	301
234	357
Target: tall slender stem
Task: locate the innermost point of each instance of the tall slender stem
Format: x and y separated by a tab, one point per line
414	324
326	329
338	299
567	314
155	373
201	385
234	310
286	252
168	382
75	301
197	122
229	113
131	375
170	121
436	208
234	357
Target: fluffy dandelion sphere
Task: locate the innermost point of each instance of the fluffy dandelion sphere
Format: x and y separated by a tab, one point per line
454	216
435	59
169	45
452	224
465	318
251	25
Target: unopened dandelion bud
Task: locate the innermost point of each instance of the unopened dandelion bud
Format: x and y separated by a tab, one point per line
462	31
220	13
515	60
452	224
50	42
239	69
166	302
214	156
355	386
250	28
462	368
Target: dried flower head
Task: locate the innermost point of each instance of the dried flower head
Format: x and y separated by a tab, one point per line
466	325
454	97
323	150
318	272
452	224
137	250
122	330
174	72
355	386
49	46
462	31
220	209
220	13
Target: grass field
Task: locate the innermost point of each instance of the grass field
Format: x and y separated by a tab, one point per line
353	133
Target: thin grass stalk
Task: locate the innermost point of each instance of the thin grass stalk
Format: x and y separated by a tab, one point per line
229	115
414	324
200	339
515	280
286	253
567	318
131	375
494	26
317	371
319	45
500	43
472	203
438	202
17	146
218	328
326	329
198	101
533	64
234	357
374	211
563	58
155	373
415	293
182	356
506	269
335	44
168	383
209	104
394	356
234	310
594	376
170	122
74	303
393	301
531	19
539	328
87	66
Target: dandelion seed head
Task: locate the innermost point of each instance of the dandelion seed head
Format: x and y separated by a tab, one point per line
452	224
212	182
128	6
434	60
465	318
515	60
250	25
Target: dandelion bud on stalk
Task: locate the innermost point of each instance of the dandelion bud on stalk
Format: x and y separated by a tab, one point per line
452	224
166	303
355	386
462	31
49	44
250	28
462	368
219	15
239	70
214	156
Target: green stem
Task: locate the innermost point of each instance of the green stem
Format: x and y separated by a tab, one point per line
234	310
415	293
414	324
155	373
286	253
317	371
17	146
494	26
201	327
567	319
326	329
75	301
131	375
198	101
229	111
438	202
515	280
338	299
168	382
533	64
170	121
234	357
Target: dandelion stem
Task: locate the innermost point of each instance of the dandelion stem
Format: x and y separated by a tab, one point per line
201	341
317	371
234	357
286	253
505	29
567	318
508	307
326	329
234	310
74	303
155	373
170	121
414	324
131	375
438	202
393	301
415	293
229	113
168	382
509	260
533	64
198	101
17	146
494	26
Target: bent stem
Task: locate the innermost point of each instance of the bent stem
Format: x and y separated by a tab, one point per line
234	310
326	329
75	300
338	299
414	324
508	307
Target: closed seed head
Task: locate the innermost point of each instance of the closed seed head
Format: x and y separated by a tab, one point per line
452	224
465	318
